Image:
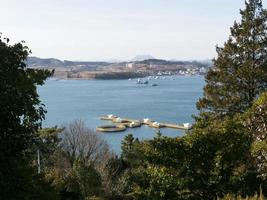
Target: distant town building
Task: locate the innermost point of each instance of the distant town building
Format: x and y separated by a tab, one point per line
202	70
130	65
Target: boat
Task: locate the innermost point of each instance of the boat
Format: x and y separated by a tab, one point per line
140	81
108	117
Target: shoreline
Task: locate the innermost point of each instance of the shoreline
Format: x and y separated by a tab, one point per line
121	78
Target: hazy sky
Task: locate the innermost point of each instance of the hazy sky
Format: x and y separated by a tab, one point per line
119	29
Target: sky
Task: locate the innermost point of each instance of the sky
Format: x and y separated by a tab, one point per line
120	29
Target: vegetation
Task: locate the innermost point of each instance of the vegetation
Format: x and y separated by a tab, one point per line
76	162
20	117
239	74
225	153
224	156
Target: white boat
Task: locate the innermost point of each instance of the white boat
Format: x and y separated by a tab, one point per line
140	81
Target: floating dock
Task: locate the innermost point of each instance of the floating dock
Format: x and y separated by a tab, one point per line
119	123
111	128
176	126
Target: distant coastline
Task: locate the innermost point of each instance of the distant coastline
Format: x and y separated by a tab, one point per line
119	70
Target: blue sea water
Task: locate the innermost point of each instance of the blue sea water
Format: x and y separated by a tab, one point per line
172	101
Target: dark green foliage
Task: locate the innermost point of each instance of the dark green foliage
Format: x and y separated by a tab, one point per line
209	162
240	69
256	119
255	122
164	151
217	159
83	180
47	144
214	159
131	150
159	183
21	114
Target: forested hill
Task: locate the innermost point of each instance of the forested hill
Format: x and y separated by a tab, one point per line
53	62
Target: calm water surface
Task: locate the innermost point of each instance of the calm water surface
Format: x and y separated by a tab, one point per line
172	101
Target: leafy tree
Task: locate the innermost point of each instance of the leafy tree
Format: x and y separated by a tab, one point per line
47	144
161	184
114	170
21	114
240	69
165	151
256	123
218	160
207	163
256	118
84	180
124	171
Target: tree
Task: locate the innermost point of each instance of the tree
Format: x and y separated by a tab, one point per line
21	114
76	167
83	179
239	74
256	123
80	142
47	145
217	162
131	150
161	185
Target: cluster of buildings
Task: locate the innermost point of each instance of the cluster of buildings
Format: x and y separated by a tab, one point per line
168	69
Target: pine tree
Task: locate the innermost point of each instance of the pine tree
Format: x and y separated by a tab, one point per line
239	74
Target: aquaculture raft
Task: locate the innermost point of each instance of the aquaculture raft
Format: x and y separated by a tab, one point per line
121	124
111	128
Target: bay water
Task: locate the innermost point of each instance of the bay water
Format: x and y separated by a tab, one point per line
172	101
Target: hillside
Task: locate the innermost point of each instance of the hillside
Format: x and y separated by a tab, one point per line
117	70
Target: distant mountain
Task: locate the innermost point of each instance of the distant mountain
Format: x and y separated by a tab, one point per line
142	58
167	62
54	63
143	66
35	62
113	61
44	62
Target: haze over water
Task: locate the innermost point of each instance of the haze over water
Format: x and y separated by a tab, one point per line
173	101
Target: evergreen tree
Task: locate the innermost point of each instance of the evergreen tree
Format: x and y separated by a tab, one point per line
21	114
240	69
